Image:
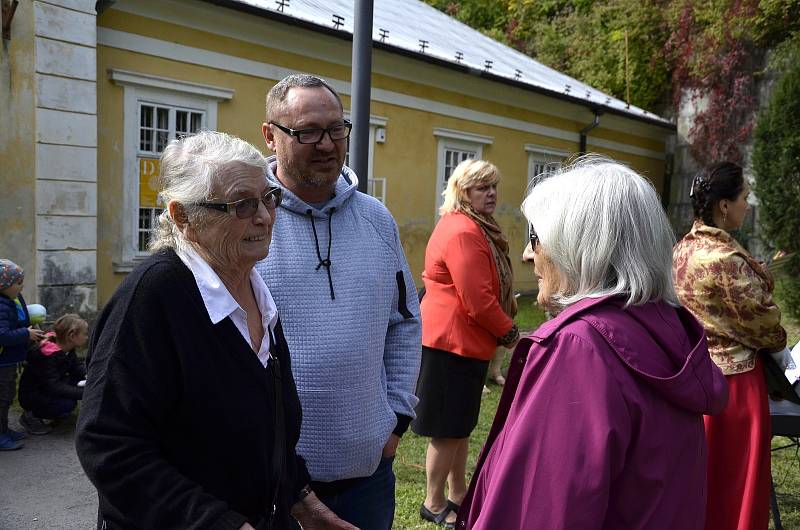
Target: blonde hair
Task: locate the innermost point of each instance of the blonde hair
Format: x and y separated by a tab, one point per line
468	174
67	325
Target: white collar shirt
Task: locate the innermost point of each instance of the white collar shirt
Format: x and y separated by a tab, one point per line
220	303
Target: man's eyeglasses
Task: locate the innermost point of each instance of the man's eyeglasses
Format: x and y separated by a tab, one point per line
247	208
534	237
340	131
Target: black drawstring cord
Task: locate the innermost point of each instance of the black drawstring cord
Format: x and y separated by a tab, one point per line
327	261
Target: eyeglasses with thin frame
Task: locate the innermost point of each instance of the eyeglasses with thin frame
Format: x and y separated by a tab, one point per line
340	131
533	236
247	208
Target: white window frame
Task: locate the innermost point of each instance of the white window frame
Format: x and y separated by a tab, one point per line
447	140
541	156
144	88
374	123
171	132
171	123
380	184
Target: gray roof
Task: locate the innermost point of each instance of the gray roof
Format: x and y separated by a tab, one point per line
409	22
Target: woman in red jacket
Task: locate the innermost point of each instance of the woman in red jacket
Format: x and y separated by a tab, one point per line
467	312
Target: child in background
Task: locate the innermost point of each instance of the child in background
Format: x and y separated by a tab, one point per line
49	387
15	335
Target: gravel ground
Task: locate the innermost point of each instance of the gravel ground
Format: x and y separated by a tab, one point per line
42	485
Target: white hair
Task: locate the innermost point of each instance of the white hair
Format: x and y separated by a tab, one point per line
603	227
190	167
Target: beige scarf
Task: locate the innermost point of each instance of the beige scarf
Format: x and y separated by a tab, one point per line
498	242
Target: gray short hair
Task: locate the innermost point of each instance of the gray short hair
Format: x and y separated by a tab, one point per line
603	227
190	168
277	94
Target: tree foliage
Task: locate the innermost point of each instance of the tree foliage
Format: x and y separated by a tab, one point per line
582	38
586	39
776	163
709	49
714	52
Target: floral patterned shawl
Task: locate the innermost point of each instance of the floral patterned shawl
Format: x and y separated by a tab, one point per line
730	293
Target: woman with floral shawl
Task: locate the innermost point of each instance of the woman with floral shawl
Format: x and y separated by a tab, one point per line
730	293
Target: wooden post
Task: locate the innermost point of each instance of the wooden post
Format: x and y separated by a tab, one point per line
627	72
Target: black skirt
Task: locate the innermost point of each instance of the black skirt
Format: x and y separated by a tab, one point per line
449	391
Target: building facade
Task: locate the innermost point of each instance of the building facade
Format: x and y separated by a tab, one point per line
96	98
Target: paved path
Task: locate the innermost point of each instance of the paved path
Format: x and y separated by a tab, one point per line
43	486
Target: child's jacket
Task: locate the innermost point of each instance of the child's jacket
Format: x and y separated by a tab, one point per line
13	330
50	373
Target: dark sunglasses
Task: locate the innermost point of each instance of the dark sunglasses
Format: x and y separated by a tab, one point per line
340	131
247	208
534	237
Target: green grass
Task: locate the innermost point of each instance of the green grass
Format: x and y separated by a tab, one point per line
786	474
529	315
410	465
410	462
786	462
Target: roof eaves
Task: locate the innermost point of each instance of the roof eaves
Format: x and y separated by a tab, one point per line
346	35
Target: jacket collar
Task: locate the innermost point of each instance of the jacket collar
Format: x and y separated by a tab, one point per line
543	332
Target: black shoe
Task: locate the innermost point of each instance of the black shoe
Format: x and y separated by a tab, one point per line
437	518
33	425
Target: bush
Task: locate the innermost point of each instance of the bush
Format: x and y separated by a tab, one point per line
787	288
776	164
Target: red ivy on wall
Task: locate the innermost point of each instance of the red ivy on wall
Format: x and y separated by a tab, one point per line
714	62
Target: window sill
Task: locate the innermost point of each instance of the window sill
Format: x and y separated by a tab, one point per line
124	267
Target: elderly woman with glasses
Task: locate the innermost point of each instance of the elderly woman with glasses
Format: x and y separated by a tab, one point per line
467	312
190	414
601	420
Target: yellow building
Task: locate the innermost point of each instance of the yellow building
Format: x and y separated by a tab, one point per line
94	98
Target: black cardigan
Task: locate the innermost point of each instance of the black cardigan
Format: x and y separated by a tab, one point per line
176	428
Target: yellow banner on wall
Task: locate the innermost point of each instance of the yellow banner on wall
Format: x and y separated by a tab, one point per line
148	183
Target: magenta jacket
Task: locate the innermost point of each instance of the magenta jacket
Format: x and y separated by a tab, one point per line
601	424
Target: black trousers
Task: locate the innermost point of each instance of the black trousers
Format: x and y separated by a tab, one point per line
8	389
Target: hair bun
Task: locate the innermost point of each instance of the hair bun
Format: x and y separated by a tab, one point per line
699	183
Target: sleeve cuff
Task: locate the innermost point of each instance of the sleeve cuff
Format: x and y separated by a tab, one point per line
402	424
302	479
509	338
229	521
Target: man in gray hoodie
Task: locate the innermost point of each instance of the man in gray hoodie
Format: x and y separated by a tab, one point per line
347	301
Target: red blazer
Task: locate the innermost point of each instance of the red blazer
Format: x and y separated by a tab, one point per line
461	310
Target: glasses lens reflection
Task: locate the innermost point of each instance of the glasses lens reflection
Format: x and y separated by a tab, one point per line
313	136
247	208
